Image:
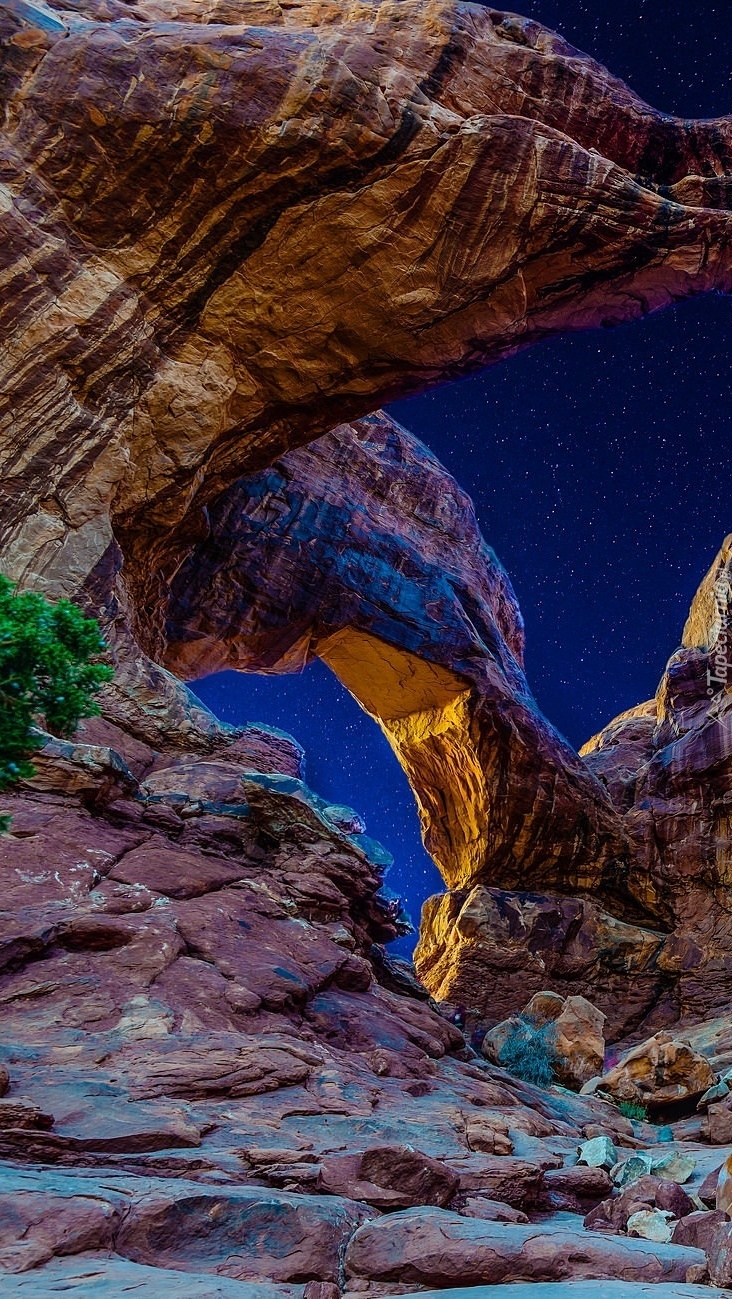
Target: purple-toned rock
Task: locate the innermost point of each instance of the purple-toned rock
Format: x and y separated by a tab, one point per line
393	1177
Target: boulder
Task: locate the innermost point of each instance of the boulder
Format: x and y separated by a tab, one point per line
432	1247
719	1191
717	1124
645	1193
579	1040
674	1166
576	1035
699	1229
576	1189
719	1255
479	1206
719	1092
598	1152
393	1177
489	1134
661	1071
650	1224
708	1189
630	1170
241	1232
517	1182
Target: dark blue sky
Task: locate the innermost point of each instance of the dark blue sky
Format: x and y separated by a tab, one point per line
598	465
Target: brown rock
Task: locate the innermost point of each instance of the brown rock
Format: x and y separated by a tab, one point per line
719	1255
491	947
513	1181
666	765
699	1229
575	1189
35	1226
321	1290
578	1040
488	1133
175	873
240	1232
717	1124
708	1189
431	1247
20	1114
661	1071
721	1191
389	1177
646	1193
479	1206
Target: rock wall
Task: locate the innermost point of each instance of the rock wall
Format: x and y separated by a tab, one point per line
667	766
227	229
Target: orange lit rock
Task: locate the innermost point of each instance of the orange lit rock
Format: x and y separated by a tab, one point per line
661	1071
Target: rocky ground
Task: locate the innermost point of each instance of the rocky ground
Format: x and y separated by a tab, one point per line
218	1083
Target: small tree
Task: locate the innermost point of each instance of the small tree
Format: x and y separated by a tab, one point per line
46	674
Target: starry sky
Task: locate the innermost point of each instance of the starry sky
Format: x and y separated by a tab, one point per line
598	466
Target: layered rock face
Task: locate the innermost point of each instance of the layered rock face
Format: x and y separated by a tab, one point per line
227	228
215	1075
362	550
667	766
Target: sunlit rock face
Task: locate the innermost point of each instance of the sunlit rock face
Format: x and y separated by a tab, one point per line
362	550
487	950
226	228
667	766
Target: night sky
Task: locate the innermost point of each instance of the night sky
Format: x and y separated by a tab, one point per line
598	464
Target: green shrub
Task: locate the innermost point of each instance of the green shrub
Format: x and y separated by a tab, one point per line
529	1052
630	1110
46	674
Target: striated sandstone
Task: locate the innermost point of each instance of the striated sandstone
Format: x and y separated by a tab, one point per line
362	550
233	234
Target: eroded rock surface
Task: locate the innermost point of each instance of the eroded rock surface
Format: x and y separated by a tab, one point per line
667	766
362	550
227	229
205	1073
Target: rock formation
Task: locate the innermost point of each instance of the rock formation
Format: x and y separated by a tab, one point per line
228	231
667	766
362	550
228	228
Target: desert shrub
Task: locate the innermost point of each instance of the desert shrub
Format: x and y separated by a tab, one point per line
47	674
529	1052
631	1110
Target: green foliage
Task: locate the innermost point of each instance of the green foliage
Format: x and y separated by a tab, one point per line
529	1052
46	674
630	1110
